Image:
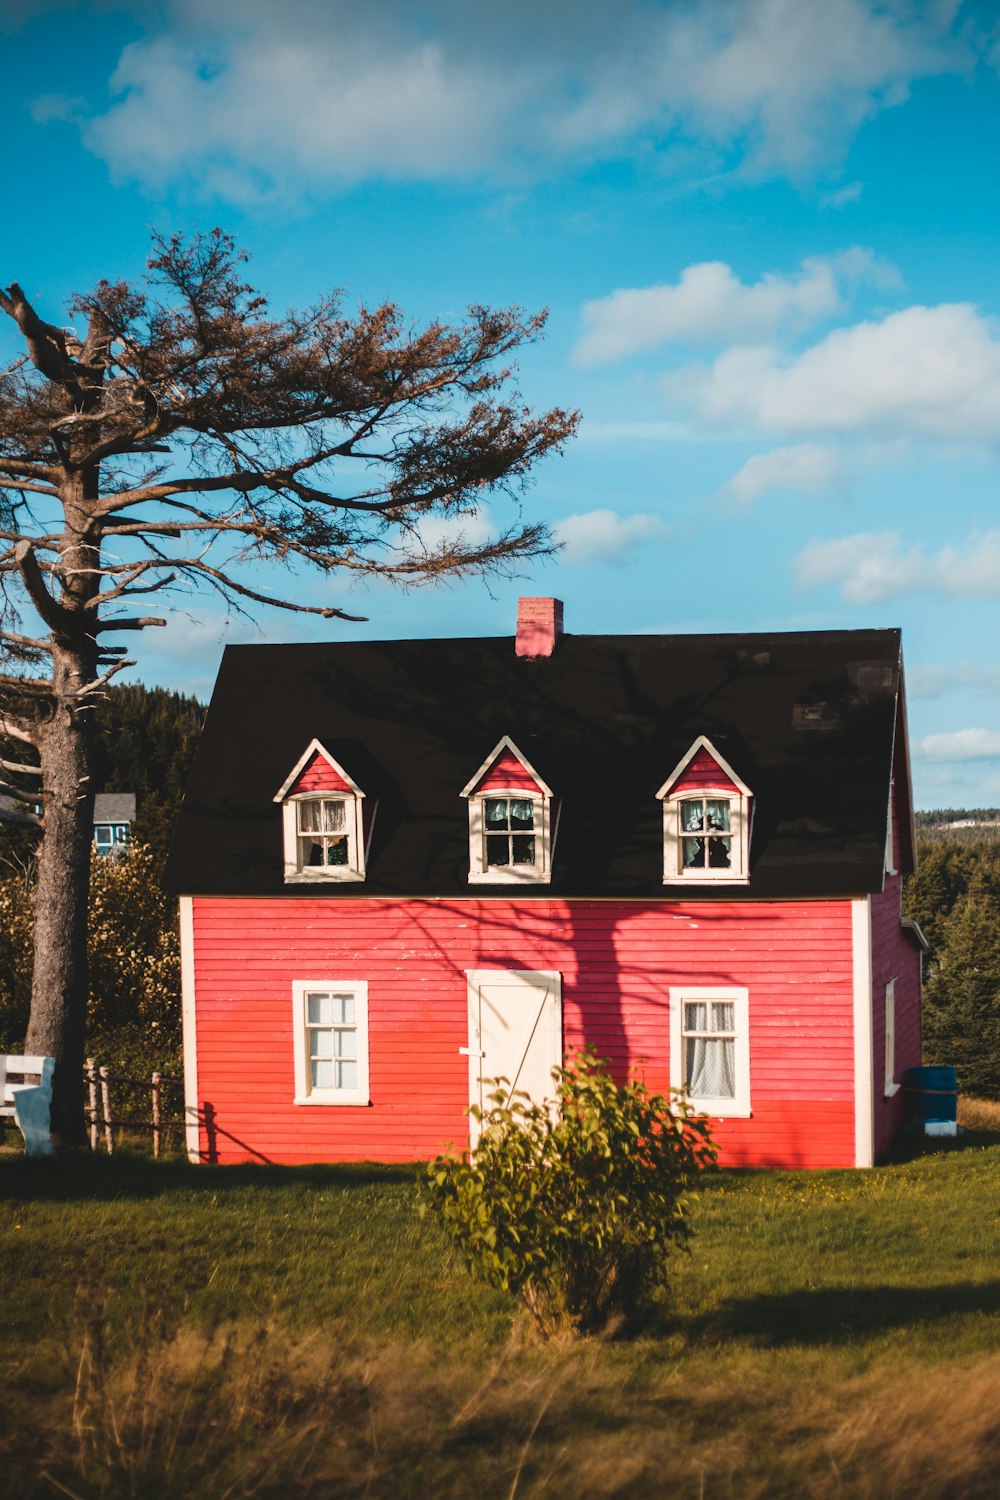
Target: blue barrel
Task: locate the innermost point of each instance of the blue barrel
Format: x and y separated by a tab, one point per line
931	1095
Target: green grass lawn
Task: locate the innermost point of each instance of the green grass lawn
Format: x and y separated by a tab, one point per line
179	1331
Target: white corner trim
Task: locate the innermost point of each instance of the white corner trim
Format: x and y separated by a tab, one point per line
504	743
189	1027
314	747
864	1086
703	743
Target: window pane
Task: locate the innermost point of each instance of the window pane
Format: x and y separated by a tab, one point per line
522	813
321	1043
717	813
497	849
692	852
347	1075
319	1009
336	852
695	1015
343	1009
312	852
524	849
333	814
692	814
346	1043
710	1068
496	812
723	1015
322	1074
309	817
719	853
102	835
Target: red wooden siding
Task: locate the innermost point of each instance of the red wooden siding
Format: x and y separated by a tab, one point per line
317	775
507	774
894	956
702	770
618	961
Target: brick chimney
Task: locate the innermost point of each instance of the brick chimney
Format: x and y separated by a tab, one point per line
539	626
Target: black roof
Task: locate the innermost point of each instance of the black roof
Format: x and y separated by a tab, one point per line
806	720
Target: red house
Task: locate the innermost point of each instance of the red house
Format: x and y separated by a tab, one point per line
407	867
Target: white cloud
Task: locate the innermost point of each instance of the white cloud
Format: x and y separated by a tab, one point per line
605	536
245	95
807	468
928	372
873	567
849	193
932	681
960	744
709	304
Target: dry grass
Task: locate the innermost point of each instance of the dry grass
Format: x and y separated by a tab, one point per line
978	1114
257	1334
246	1414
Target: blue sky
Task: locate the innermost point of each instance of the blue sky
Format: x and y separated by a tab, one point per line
767	233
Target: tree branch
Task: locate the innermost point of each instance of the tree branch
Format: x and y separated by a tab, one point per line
16	729
14	765
98	627
57	618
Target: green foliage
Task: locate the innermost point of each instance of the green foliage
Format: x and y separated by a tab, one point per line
576	1211
962	996
146	743
955	896
133	954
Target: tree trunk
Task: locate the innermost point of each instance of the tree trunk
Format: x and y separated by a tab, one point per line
59	982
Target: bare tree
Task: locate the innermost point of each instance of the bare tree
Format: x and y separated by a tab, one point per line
182	438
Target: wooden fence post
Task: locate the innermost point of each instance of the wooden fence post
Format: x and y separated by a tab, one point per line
106	1102
156	1114
92	1091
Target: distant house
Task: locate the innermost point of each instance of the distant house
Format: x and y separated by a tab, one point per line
410	867
114	814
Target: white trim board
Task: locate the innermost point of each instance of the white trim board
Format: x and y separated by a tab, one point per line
502	744
189	1027
864	1049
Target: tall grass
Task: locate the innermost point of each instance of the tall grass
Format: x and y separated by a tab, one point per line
245	1332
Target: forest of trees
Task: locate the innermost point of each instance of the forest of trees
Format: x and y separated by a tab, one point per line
148	742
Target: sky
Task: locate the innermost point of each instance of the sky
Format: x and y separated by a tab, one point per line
767	233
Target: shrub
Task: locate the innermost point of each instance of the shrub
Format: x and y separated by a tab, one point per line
575	1209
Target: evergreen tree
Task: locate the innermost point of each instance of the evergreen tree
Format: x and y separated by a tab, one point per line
962	996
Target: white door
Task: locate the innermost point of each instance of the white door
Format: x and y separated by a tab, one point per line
515	1032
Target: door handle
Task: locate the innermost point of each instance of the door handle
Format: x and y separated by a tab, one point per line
468	1052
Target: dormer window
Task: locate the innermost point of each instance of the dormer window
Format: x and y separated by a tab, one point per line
509	833
510	811
324	826
323	838
706	820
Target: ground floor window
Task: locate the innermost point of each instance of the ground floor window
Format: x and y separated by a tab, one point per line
891	1086
710	1048
331	1041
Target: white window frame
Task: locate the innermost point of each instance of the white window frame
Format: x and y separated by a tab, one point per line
889	1067
352	796
732	790
737	1108
539	873
305	1094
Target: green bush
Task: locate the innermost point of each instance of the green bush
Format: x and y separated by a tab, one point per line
574	1210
